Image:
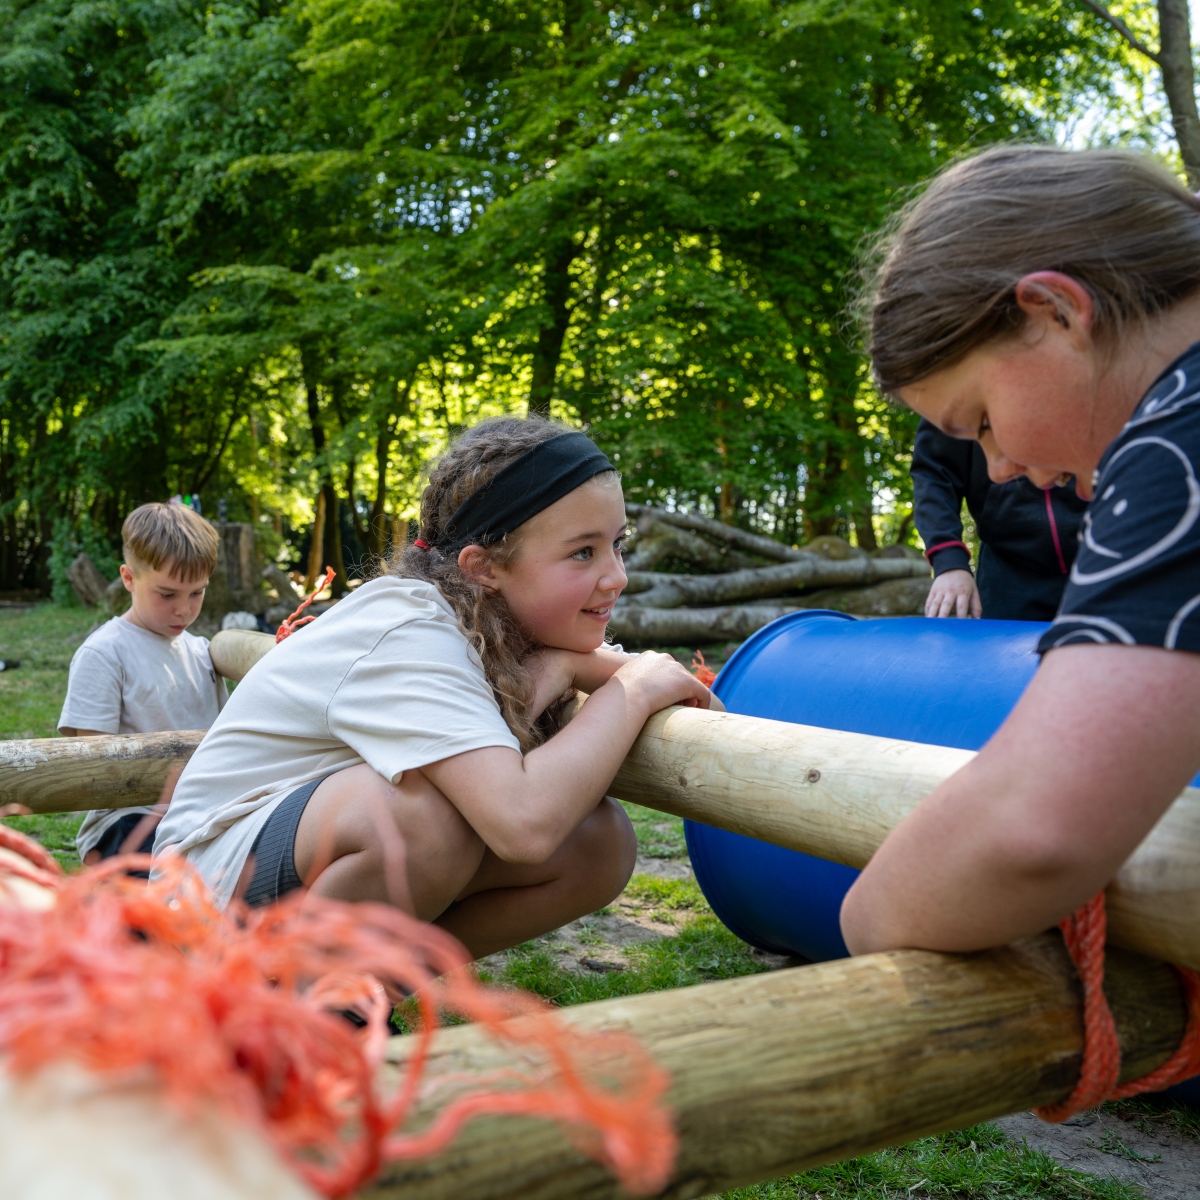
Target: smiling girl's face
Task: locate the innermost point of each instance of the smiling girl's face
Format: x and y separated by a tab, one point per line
567	572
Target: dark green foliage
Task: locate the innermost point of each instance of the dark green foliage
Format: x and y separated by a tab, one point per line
256	249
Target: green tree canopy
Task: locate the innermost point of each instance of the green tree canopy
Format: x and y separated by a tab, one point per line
278	253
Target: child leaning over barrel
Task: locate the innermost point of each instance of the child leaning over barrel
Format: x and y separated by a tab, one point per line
143	672
409	745
1045	303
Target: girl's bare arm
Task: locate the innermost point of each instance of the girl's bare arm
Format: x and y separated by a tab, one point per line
525	807
1103	740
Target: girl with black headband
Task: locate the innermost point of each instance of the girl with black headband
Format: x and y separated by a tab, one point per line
409	746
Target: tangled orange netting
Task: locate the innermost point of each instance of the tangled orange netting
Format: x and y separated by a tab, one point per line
238	1007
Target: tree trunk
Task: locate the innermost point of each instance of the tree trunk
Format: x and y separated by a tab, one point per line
377	533
1179	82
550	339
329	545
332	541
633	626
315	565
1174	59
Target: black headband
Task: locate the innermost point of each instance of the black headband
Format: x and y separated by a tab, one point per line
522	489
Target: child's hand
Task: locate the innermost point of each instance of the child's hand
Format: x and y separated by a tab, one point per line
658	681
554	671
954	594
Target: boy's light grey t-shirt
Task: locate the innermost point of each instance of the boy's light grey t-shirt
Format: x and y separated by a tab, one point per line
125	679
385	677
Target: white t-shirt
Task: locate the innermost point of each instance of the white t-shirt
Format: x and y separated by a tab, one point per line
385	677
125	679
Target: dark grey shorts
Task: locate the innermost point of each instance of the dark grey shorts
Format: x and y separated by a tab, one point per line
274	850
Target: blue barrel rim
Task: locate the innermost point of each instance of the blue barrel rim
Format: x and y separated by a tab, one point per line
747	651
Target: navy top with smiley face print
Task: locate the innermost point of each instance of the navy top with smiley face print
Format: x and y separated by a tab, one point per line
1136	578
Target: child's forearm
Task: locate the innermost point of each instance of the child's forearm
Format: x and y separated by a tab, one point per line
524	808
1096	750
559	670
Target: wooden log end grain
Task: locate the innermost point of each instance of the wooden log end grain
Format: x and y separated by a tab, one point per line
235	651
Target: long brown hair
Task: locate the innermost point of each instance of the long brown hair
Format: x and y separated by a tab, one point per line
942	278
472	460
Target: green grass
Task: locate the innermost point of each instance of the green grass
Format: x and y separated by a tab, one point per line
659	835
1152	1117
979	1163
702	950
42	638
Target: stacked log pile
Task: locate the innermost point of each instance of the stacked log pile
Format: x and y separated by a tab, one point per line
693	580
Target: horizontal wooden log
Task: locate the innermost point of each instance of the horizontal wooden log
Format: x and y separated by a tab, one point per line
657	590
235	651
73	774
657	542
779	1073
833	794
838	795
691	626
752	543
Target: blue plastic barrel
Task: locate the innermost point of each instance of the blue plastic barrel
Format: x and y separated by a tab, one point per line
944	682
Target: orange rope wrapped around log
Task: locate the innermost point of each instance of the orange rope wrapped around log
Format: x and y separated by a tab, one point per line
1084	934
239	1009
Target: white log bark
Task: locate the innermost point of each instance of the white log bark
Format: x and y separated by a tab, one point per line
655	590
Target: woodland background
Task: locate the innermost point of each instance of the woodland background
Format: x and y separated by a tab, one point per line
276	254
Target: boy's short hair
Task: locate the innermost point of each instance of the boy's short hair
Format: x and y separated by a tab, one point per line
170	537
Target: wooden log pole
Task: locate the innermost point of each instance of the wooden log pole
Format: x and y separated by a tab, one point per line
49	775
838	795
652	589
782	1072
235	651
824	792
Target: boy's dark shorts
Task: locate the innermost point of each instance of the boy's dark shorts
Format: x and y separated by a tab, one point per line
112	840
274	850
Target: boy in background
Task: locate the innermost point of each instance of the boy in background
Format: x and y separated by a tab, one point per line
143	672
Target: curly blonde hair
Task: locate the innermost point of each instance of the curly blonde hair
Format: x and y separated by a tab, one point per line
470	463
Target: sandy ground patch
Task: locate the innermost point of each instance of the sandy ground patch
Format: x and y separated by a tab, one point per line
1143	1150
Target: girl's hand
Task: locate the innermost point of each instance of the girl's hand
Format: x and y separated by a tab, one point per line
554	671
558	670
656	681
954	594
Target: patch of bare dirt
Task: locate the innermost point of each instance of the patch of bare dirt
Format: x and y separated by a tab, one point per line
1143	1150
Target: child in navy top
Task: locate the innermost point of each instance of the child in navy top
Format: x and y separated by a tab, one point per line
1046	303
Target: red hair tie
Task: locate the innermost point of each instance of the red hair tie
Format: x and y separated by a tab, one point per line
422	544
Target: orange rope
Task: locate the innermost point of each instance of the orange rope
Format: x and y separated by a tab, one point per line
702	670
290	624
1084	934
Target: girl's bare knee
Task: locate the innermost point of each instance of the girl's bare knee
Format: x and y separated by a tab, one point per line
608	845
